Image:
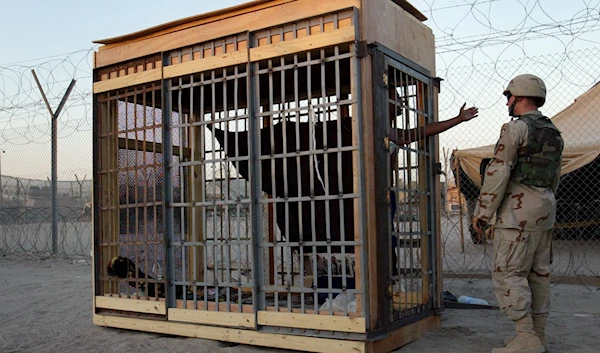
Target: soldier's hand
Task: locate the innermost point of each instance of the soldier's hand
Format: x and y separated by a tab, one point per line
468	114
476	225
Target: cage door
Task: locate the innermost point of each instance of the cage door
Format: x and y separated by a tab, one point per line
406	182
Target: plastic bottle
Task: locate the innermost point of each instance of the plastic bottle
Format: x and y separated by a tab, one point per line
469	300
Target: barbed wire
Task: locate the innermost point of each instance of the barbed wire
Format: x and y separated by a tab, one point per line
27	232
24	118
492	31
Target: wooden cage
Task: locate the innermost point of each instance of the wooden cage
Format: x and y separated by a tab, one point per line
245	185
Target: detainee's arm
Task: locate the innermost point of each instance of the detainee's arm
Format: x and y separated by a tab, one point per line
402	137
497	173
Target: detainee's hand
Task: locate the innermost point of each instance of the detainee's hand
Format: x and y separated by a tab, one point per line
476	227
467	114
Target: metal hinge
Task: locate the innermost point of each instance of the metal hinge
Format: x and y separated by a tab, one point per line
437	82
438	169
362	49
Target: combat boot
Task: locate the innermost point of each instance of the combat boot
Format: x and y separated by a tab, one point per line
539	326
526	340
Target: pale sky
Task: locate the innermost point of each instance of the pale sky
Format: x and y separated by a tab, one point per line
468	33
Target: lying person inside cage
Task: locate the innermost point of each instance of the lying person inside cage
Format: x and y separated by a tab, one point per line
126	268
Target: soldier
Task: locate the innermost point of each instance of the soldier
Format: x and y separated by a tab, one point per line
519	186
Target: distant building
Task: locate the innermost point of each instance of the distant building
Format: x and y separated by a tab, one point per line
454	200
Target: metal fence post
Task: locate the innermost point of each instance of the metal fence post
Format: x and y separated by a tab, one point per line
54	117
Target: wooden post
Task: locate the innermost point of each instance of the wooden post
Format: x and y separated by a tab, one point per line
462	231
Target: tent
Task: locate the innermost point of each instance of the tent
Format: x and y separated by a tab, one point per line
579	191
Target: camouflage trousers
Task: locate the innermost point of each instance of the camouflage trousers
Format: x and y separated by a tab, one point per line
521	273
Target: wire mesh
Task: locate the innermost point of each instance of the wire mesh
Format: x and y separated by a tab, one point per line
576	234
26	218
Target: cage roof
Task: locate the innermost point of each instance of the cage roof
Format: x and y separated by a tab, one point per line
217	15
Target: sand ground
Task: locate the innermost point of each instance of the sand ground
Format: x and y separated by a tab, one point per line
45	306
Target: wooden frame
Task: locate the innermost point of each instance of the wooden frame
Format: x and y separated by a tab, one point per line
391	23
213	62
128	80
315	322
340	36
311	344
135	305
283	341
206	317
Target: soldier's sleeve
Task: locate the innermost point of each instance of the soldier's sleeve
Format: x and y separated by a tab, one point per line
497	173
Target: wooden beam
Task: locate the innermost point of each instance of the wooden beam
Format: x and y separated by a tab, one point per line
195	177
221	318
155	147
357	172
404	335
109	192
189	22
212	306
205	64
247	22
133	305
343	35
128	80
301	343
370	166
315	322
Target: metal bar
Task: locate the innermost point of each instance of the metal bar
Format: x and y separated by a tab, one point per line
96	190
214	118
169	223
205	145
281	108
273	260
54	156
54	185
323	120
64	99
434	245
227	231
340	181
296	112
193	231
180	132
253	89
312	176
145	172
134	181
42	92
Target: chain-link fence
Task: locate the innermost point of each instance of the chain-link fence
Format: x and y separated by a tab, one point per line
574	105
26	218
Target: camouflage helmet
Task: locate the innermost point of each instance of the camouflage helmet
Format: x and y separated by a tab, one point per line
527	86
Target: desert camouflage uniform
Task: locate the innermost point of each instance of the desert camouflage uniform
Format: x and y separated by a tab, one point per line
523	230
